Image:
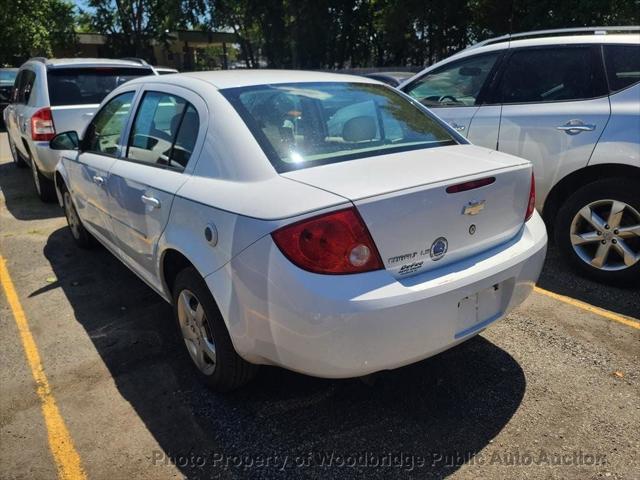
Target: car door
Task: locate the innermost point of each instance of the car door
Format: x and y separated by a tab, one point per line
456	92
167	128
554	109
89	170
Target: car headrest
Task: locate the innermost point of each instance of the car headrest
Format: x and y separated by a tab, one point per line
359	129
65	92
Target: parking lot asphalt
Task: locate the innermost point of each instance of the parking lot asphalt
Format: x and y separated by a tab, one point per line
552	391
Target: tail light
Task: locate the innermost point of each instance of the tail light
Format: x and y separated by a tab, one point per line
531	206
334	243
42	128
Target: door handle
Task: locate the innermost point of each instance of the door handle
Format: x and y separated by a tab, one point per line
151	201
573	127
457	126
98	180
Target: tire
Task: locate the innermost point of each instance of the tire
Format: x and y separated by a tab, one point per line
596	247
45	189
18	161
201	326
80	234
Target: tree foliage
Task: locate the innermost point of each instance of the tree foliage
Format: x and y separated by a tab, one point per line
33	27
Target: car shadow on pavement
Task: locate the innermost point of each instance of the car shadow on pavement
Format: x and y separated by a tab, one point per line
20	197
440	411
559	278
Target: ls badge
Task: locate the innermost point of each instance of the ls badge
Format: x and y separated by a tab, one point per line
473	208
438	248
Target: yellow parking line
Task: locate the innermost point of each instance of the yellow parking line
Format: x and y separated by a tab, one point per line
64	453
590	308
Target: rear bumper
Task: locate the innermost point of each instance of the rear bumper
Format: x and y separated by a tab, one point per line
45	158
353	325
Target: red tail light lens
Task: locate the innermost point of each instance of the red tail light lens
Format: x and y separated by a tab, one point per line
531	206
42	128
334	243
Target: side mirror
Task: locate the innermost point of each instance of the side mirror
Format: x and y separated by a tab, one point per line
65	141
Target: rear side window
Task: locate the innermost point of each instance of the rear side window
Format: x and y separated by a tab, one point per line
164	131
552	75
84	86
623	65
27	81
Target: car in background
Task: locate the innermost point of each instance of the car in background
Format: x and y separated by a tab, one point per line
7	77
569	101
390	78
278	242
53	95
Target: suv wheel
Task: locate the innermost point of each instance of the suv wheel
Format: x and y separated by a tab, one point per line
598	230
80	234
205	334
45	189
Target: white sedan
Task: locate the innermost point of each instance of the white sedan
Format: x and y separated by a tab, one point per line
323	223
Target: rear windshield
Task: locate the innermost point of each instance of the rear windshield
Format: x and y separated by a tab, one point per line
81	86
307	124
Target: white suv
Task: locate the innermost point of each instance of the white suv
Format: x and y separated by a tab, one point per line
568	101
52	95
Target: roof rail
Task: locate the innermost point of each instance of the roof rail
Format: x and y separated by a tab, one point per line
135	59
38	59
557	31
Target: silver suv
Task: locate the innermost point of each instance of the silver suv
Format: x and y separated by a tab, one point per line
569	101
52	95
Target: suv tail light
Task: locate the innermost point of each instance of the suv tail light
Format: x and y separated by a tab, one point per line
531	206
42	128
333	243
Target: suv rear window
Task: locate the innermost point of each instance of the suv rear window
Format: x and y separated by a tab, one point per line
82	86
307	124
623	65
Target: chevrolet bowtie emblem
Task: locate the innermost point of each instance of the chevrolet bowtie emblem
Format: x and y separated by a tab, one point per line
473	208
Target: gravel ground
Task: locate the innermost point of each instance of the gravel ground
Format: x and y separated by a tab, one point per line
551	391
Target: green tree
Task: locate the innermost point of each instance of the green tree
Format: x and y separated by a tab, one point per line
132	24
34	28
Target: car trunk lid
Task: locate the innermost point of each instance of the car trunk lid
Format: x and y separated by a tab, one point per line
415	222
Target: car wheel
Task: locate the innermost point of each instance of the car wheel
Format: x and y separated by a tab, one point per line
598	230
205	334
80	234
18	161
45	189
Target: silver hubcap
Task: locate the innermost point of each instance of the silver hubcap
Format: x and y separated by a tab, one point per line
196	332
606	235
72	215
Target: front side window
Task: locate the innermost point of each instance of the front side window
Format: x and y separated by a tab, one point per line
552	75
623	65
84	86
104	131
164	131
455	85
307	124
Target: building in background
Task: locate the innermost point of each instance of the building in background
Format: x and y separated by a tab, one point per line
184	50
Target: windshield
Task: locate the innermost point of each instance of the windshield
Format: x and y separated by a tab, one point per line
83	86
306	124
7	77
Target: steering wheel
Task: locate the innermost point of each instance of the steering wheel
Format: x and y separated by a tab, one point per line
444	98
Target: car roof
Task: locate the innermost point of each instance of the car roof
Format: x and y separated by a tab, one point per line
89	62
222	79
